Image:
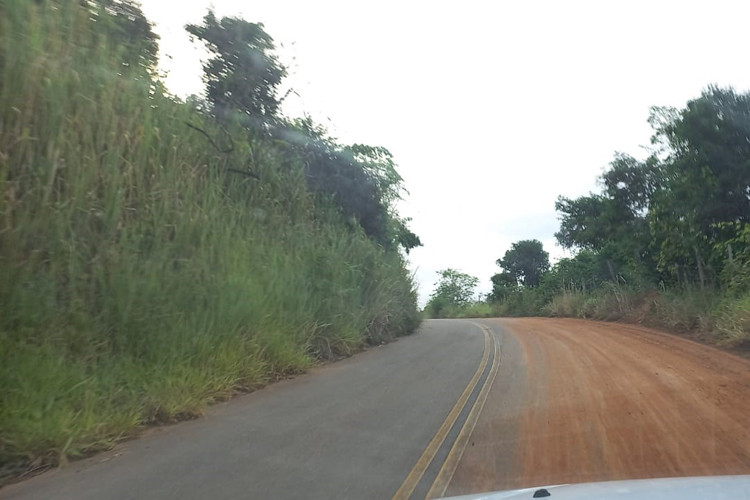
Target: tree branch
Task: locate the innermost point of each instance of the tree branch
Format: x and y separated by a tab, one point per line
224	151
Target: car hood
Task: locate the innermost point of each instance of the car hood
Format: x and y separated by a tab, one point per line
685	488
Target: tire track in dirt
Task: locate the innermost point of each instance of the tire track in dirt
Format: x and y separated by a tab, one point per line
603	401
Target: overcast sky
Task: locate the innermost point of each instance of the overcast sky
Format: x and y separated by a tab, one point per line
492	109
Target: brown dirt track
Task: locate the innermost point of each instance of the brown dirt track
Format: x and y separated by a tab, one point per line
579	401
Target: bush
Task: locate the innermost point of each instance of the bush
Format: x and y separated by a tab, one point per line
685	310
476	310
733	321
567	304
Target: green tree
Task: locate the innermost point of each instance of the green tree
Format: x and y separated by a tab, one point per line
454	291
333	172
243	74
361	180
615	223
709	163
582	222
525	262
707	180
502	285
673	216
242	80
379	165
585	271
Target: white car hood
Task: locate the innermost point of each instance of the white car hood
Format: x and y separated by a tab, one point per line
685	488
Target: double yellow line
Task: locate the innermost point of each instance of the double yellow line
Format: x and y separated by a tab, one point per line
448	468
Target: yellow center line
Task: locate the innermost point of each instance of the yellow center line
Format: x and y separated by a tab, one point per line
457	451
416	473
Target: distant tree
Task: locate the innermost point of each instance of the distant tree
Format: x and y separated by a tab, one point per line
525	263
502	284
585	271
582	222
455	290
243	74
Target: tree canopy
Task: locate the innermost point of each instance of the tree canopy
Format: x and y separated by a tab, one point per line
243	73
454	290
524	263
243	76
672	216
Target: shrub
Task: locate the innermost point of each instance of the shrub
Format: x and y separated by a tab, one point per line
733	321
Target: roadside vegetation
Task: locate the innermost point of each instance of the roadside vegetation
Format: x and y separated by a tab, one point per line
454	295
664	242
158	254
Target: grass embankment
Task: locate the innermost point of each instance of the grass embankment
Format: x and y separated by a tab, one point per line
718	317
140	280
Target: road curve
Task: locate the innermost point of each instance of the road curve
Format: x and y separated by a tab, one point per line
463	406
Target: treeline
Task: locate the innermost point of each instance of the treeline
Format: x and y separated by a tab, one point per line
159	254
680	217
665	241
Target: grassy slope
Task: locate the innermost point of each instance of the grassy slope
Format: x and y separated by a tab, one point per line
717	317
139	281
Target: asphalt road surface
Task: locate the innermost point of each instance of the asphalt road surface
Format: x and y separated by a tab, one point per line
463	406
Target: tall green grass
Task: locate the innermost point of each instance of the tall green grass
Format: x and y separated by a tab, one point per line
721	316
139	279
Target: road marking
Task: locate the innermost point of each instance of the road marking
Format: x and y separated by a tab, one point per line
416	473
459	446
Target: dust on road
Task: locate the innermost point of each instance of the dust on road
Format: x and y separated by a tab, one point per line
604	401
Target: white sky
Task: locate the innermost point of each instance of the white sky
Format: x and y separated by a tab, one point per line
491	108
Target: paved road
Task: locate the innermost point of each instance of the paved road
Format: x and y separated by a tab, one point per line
460	407
352	429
